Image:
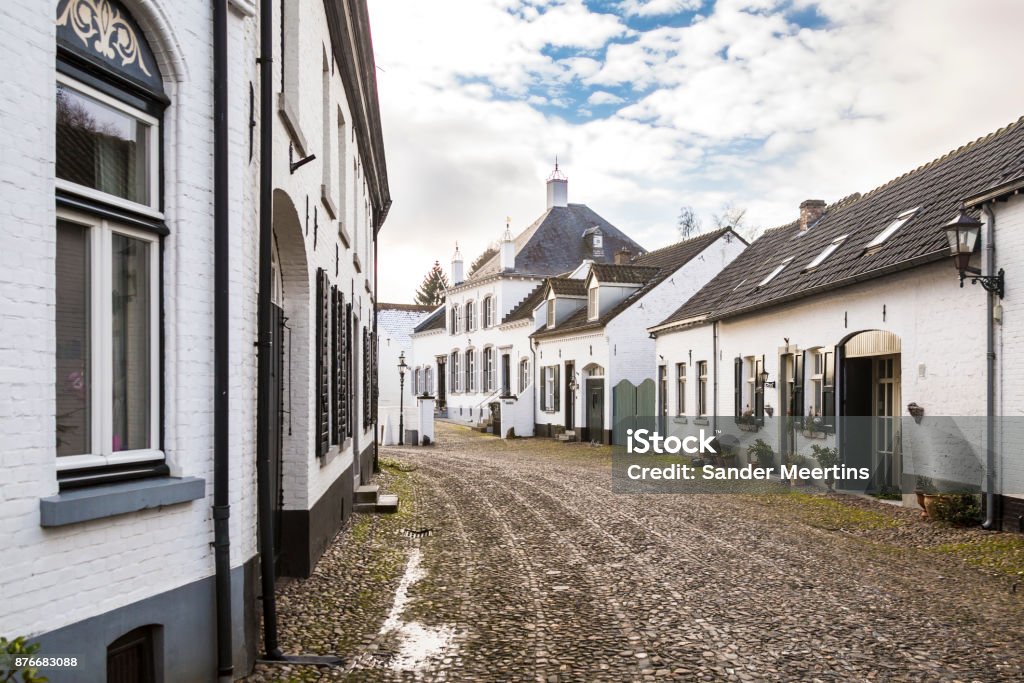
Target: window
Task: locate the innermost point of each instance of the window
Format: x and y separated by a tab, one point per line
107	336
702	388
796	388
342	165
680	388
524	374
455	371
825	253
327	129
771	276
593	308
323	363
823	388
106	150
489	369
470	370
470	317
891	229
416	382
817	383
428	380
551	313
549	398
662	390
488	311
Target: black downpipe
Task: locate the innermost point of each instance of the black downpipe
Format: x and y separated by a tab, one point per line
221	336
376	362
265	354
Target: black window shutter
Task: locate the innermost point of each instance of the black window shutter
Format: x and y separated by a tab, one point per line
543	389
322	364
349	370
828	391
737	388
366	378
335	368
796	401
557	405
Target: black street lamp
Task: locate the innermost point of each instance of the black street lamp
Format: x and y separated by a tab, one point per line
962	234
401	398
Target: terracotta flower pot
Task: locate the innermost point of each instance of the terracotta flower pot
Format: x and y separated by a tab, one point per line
920	502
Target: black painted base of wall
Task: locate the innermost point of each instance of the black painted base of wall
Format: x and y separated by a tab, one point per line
305	534
1009	513
366	464
184	630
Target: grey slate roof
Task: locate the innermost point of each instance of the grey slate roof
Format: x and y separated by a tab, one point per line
938	188
524	309
398	321
653	267
565	286
554	243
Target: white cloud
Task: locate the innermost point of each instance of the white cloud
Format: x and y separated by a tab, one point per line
741	105
599	97
653	8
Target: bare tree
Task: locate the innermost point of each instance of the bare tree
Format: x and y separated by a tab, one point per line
735	217
688	223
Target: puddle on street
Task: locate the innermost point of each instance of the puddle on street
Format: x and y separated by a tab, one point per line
417	644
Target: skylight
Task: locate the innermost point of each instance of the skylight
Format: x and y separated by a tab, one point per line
825	253
771	275
891	229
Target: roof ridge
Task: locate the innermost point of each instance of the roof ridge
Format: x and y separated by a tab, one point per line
950	154
703	235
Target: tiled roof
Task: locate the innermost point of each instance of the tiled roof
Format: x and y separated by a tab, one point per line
411	308
524	309
654	267
625	274
565	286
554	243
935	189
434	321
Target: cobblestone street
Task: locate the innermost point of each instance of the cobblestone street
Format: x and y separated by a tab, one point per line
514	561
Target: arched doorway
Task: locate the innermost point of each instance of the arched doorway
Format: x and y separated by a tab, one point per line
593	408
869	369
290	373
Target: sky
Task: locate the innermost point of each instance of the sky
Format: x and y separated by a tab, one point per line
651	105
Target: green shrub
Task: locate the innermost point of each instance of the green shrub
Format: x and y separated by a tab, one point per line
761	451
19	647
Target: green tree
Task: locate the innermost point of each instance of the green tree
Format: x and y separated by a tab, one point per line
431	291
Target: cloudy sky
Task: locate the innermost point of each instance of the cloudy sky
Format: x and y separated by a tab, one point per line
655	104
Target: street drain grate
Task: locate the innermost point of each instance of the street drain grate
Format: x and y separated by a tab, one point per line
419	533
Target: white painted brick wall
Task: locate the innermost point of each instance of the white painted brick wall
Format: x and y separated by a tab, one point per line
93	567
1010	345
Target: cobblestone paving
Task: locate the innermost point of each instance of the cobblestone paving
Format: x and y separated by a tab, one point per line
532	570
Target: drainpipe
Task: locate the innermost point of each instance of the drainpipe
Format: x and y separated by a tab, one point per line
221	337
534	343
265	353
714	379
376	361
990	372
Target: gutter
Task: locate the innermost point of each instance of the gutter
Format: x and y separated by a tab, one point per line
990	372
265	352
221	347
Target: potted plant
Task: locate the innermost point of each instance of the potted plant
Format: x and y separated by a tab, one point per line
925	487
762	453
826	457
746	421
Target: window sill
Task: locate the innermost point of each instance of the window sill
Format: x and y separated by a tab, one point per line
325	199
343	234
357	263
109	500
290	117
701	421
680	420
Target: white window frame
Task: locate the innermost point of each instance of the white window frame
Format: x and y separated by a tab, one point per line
488	311
470	316
890	230
488	369
524	374
778	269
680	388
825	253
549	388
151	209
702	389
817	382
470	370
101	371
551	313
593	303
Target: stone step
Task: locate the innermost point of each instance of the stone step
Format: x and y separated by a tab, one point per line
386	503
367	493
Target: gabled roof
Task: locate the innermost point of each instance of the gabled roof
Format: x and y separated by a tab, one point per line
935	189
554	243
411	308
524	309
564	286
434	321
655	267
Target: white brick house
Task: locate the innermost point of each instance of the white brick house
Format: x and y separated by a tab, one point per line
591	329
107	301
856	316
478	344
395	323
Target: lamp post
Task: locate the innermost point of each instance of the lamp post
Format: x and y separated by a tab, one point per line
401	398
962	234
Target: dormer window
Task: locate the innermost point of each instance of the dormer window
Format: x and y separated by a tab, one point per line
825	253
891	229
551	313
593	306
774	273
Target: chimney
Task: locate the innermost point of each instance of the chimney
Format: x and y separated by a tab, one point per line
508	249
623	256
457	276
810	211
558	188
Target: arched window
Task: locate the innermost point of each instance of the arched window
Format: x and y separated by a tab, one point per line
488	369
109	110
470	316
428	380
488	307
470	370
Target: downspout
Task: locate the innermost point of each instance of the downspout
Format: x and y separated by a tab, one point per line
534	343
221	337
265	350
714	378
990	372
376	363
